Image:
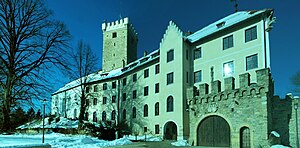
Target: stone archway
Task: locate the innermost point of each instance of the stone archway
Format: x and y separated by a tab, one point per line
213	131
170	131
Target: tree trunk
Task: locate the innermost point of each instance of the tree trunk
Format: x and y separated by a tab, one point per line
6	119
82	111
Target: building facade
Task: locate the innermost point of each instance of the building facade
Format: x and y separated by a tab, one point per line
212	87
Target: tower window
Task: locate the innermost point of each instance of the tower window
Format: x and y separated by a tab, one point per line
114	35
228	42
250	34
170	55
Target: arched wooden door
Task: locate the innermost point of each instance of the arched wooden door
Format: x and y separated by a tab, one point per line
213	131
170	131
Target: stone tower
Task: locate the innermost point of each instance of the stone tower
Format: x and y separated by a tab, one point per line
119	44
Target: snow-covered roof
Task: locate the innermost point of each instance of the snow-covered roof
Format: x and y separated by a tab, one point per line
112	74
223	23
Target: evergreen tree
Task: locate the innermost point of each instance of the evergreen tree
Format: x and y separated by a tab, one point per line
30	114
38	114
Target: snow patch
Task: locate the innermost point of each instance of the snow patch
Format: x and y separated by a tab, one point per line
181	143
275	134
279	146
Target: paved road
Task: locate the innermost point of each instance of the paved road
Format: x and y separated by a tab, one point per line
161	144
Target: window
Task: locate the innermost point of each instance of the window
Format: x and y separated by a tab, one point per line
124	114
114	84
146	73
228	69
251	62
250	34
94	117
134	77
133	112
96	88
104	100
113	115
145	129
197	76
169	78
114	35
156	129
95	101
113	99
86	116
146	90
87	102
124	81
245	137
186	54
87	89
103	116
146	110
228	42
124	96
170	55
170	105
157	69
134	94
156	108
105	86
197	53
187	77
157	88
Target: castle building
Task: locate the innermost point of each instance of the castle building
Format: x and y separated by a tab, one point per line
212	87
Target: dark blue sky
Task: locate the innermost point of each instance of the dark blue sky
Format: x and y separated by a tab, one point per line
150	19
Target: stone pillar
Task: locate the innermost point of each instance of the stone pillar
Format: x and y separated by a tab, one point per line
215	86
229	83
244	80
203	89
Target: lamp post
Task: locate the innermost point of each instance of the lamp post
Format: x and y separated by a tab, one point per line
296	99
44	105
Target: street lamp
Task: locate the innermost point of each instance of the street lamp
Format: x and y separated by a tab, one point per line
44	105
296	101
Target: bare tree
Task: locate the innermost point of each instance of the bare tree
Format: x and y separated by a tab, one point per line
31	43
82	63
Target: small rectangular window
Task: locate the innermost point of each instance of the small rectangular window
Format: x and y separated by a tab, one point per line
169	78
104	100
124	81
134	94
105	86
87	102
197	76
228	69
145	129
157	69
95	101
124	96
146	88
251	62
157	88
197	53
114	85
96	88
170	55
146	73
156	129
250	34
113	99
114	34
228	42
134	77
87	89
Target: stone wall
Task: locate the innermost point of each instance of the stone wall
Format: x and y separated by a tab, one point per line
242	107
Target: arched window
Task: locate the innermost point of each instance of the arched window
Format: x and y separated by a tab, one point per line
124	114
156	109
103	116
170	104
133	112
94	117
113	115
245	137
146	110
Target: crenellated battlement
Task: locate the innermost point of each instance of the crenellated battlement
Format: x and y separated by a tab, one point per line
199	95
117	25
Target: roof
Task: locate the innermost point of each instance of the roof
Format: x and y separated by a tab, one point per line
97	76
224	23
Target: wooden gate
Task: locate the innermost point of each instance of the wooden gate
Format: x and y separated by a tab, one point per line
213	131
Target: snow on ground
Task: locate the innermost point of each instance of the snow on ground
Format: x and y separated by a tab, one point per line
181	143
142	138
279	146
59	140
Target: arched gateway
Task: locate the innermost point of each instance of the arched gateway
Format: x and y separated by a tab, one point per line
170	131
213	131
